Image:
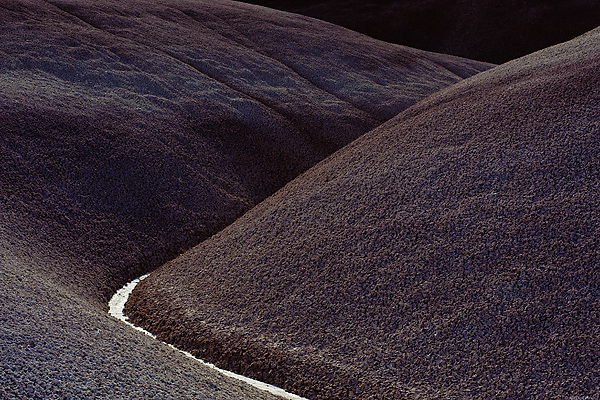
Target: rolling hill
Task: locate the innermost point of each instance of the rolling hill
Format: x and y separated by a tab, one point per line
452	252
131	131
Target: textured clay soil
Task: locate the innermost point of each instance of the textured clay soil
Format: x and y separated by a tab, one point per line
452	252
132	130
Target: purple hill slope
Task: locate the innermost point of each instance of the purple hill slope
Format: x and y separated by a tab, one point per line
132	130
450	253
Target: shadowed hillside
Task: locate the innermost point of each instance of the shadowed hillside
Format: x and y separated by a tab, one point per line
450	253
131	131
491	30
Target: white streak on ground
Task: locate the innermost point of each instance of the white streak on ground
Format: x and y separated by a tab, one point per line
116	306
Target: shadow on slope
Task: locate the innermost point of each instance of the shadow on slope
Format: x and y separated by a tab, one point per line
452	250
496	31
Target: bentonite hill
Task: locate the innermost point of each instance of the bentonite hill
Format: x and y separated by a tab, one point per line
452	252
131	131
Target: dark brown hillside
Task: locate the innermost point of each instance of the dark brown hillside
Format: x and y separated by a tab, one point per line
132	130
450	253
491	30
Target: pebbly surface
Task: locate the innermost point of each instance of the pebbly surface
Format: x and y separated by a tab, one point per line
131	131
452	252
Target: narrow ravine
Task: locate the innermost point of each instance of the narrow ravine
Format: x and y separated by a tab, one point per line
116	306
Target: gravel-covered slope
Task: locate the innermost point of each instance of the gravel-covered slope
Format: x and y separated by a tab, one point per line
130	131
453	252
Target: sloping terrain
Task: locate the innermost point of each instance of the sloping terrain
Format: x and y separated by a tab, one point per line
452	252
132	130
490	30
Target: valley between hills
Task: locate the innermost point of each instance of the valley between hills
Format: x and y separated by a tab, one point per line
339	216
